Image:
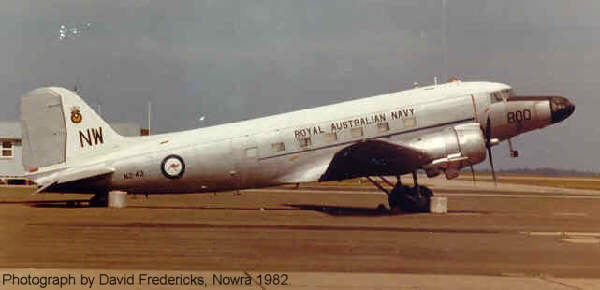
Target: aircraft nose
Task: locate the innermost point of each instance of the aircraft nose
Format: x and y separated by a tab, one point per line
561	109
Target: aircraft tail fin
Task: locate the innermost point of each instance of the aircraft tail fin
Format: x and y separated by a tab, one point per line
58	127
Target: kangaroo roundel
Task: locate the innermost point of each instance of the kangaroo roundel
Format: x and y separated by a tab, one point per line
173	167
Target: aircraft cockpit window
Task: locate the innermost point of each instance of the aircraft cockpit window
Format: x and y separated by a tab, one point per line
507	93
501	95
496	97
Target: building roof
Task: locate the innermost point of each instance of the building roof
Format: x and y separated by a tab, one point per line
10	130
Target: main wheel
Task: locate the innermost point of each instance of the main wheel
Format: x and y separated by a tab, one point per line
425	191
400	199
422	198
407	199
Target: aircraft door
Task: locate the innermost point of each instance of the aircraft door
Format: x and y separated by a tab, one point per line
245	155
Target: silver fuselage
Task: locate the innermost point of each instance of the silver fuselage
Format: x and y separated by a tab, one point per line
274	150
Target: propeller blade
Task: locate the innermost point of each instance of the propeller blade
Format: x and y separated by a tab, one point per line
492	166
488	132
488	146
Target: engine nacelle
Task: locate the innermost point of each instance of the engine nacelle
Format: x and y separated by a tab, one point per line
452	149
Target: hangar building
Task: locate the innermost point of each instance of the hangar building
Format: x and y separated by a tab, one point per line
10	143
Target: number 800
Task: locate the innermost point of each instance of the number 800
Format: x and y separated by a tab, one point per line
518	116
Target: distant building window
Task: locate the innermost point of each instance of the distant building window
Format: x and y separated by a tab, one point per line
383	127
330	137
356	132
251	152
305	142
7	149
278	147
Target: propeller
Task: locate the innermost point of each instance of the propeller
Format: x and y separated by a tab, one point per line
488	146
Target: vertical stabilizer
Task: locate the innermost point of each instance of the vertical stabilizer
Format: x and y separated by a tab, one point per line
59	127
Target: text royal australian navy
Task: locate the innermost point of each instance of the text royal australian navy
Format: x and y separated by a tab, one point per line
356	122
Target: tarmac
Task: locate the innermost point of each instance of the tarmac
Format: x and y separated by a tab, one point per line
327	236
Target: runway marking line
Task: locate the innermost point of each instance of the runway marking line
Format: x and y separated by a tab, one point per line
281	227
570	214
575	234
532	195
582	240
570	237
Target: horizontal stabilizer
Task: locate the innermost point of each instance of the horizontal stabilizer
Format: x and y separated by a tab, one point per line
70	175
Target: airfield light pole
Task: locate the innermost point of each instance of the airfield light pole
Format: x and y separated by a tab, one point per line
444	41
149	115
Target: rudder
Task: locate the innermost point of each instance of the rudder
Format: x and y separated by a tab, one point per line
59	127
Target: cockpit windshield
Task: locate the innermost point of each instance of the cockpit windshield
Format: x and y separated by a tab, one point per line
502	95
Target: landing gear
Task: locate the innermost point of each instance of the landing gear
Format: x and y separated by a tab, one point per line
404	198
410	199
99	200
513	153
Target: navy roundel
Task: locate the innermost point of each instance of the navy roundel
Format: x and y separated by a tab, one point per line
173	167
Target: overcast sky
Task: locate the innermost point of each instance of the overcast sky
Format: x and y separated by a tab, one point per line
235	60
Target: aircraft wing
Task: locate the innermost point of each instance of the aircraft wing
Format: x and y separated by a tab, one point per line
68	176
374	157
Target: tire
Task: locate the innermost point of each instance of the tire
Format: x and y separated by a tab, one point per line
423	202
425	191
407	199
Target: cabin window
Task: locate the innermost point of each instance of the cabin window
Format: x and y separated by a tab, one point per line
251	152
356	132
383	127
410	122
7	149
330	137
305	142
277	147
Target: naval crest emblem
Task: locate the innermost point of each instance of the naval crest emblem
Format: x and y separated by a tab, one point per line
75	115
